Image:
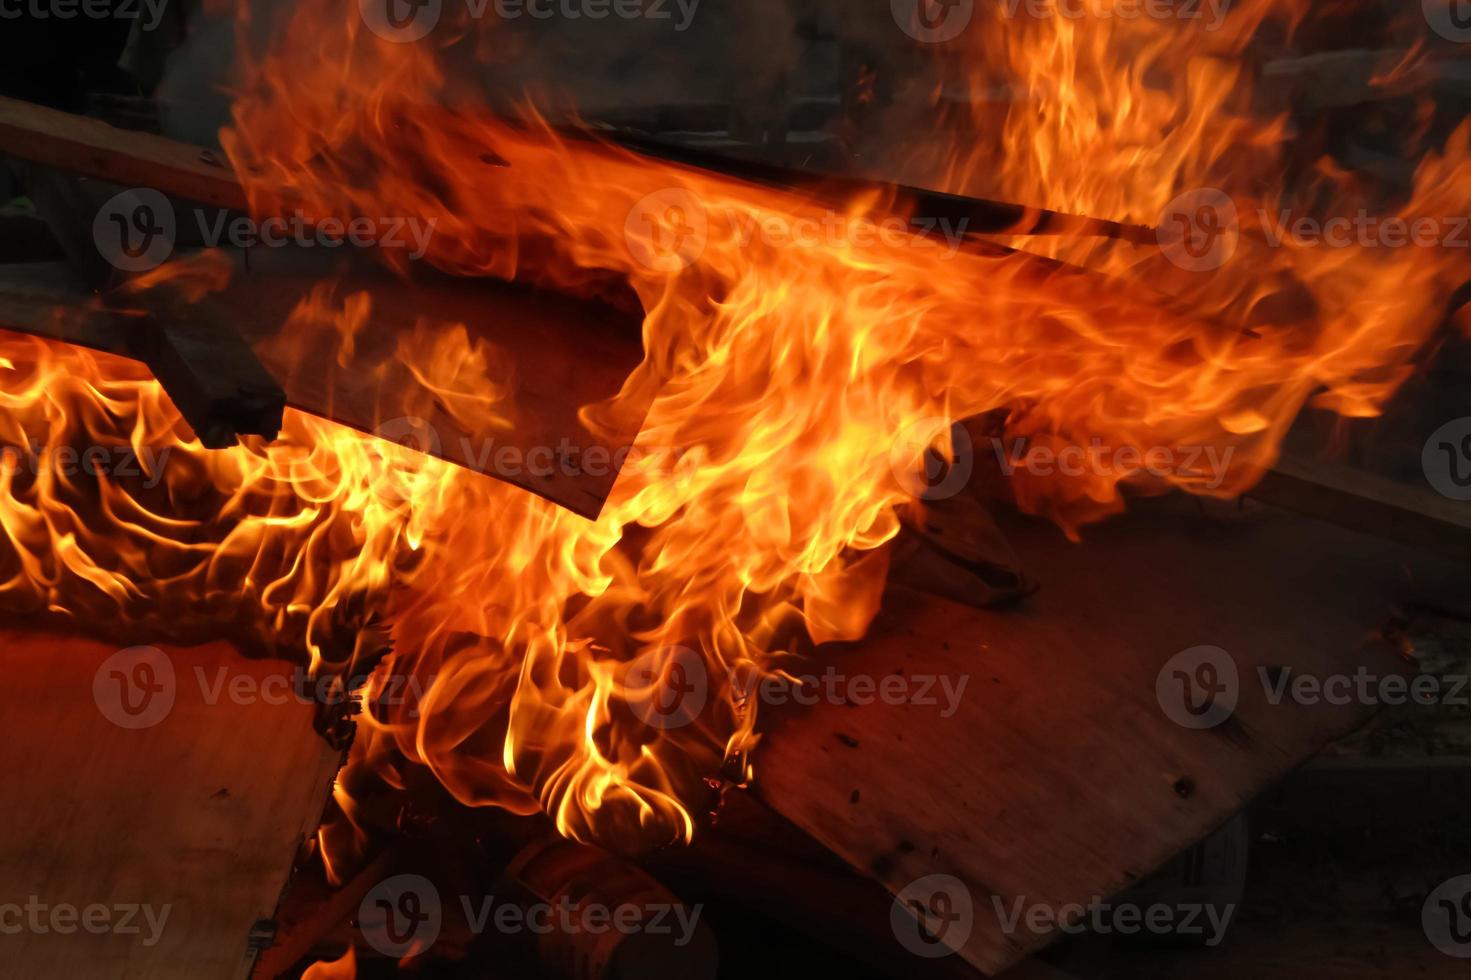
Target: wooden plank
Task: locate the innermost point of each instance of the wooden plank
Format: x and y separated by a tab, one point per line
1059	777
210	373
553	355
1363	501
193	807
92	148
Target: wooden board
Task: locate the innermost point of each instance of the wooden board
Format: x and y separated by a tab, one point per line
199	810
1059	777
553	354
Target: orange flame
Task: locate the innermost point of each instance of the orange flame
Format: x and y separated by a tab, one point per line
787	368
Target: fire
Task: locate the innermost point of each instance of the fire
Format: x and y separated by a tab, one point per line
787	372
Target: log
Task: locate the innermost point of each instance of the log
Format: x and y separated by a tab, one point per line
1058	777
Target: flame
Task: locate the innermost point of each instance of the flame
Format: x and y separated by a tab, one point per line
754	521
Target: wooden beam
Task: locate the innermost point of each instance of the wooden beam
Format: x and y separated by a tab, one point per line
92	148
1363	501
1056	776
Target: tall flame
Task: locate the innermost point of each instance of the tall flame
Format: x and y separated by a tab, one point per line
785	373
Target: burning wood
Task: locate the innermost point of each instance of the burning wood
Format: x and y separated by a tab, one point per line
796	375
